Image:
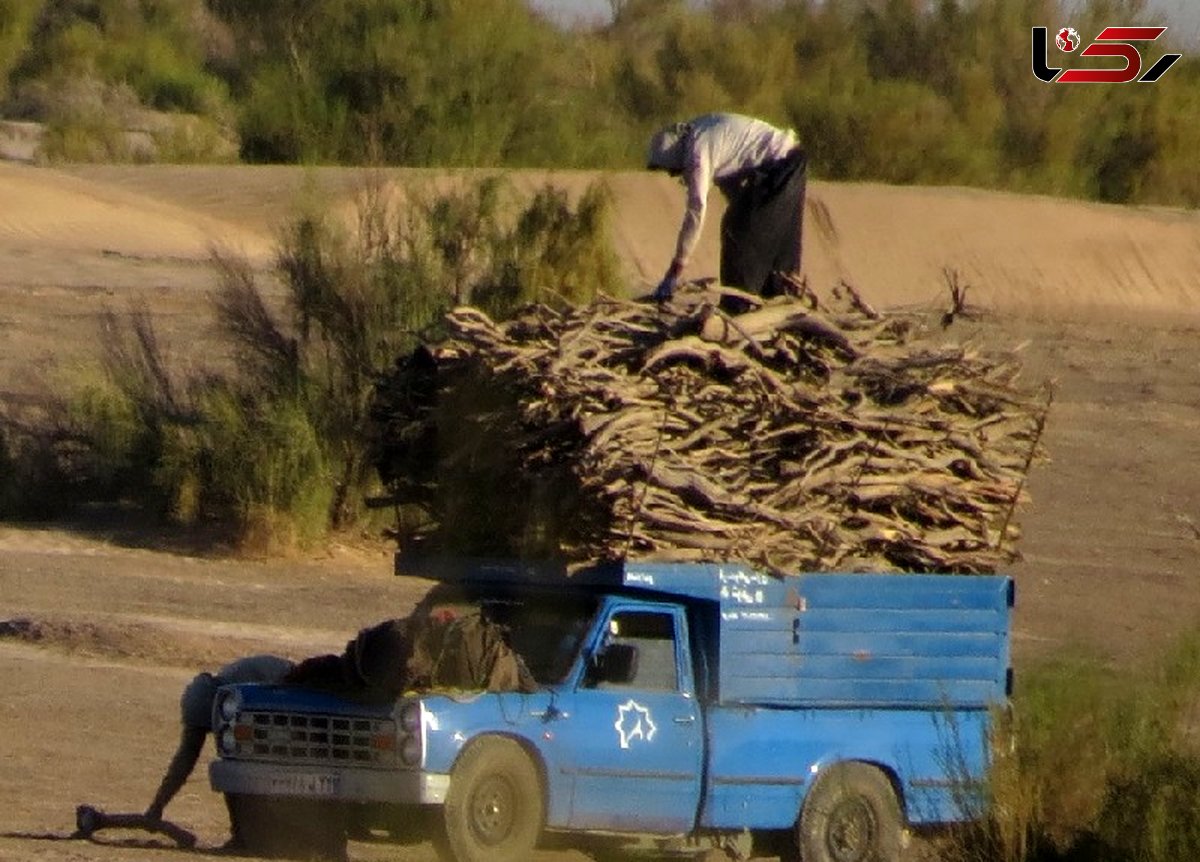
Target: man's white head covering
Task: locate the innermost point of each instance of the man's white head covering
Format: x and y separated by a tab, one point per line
667	148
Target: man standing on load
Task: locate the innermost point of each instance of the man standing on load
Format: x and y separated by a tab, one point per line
762	172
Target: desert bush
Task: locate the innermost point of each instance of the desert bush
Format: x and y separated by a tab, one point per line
184	138
275	442
88	120
107	418
996	817
90	69
85	119
33	485
449	83
151	47
554	254
48	459
263	466
915	92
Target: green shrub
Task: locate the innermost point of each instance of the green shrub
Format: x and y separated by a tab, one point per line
181	475
265	463
447	83
188	138
107	420
553	253
17	18
85	123
285	118
34	462
94	70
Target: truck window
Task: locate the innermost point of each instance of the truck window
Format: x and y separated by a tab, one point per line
652	634
548	636
545	629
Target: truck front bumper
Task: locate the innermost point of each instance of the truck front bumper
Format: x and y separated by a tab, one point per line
343	785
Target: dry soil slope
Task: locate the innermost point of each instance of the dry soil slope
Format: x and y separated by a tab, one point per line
1024	254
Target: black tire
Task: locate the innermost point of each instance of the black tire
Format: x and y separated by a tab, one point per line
851	815
281	828
494	809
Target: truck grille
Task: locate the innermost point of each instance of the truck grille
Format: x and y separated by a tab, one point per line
302	738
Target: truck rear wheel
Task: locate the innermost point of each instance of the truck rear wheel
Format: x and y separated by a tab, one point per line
851	815
494	809
281	828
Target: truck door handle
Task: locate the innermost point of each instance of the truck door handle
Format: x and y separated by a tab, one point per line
685	719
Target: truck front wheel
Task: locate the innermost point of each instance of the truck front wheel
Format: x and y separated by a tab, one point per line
851	815
494	808
282	828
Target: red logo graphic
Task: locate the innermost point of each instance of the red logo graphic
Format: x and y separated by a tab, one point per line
1112	42
1067	39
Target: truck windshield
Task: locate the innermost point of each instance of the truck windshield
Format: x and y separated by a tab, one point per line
546	634
544	629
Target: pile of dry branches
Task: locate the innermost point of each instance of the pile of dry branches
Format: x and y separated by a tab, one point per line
785	436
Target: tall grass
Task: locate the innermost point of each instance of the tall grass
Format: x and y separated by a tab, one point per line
1105	767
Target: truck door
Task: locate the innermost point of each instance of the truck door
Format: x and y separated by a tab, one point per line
635	737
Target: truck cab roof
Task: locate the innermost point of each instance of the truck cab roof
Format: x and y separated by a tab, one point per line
810	639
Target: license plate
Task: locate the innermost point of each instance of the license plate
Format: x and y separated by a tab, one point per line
304	784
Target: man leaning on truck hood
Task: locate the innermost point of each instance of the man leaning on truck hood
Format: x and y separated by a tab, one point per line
195	715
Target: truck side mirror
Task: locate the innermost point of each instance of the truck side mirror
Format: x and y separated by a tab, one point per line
616	664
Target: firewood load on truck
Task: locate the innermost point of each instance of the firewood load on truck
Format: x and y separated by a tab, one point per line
790	436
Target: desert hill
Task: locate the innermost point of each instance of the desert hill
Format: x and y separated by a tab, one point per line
1020	253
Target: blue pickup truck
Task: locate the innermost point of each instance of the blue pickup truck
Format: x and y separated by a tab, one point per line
679	707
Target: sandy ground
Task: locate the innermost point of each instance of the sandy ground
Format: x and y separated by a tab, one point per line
1104	300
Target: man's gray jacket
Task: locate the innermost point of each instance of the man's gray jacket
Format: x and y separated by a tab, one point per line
714	148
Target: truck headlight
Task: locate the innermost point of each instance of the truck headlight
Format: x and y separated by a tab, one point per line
227	741
227	706
410	751
410	717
